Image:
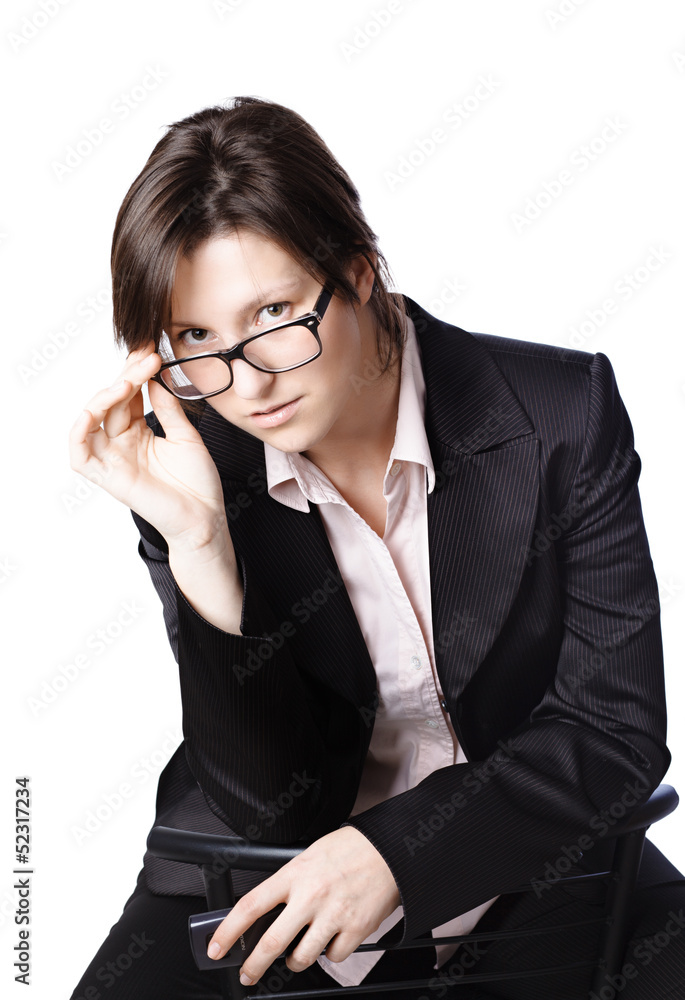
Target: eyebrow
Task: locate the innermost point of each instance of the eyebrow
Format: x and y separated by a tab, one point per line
266	298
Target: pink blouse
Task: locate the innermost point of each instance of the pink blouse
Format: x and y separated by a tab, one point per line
388	582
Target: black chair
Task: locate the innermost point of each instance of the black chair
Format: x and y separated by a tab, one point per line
216	855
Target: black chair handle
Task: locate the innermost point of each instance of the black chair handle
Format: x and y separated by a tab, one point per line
207	848
661	803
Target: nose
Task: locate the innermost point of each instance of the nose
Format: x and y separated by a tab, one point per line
249	382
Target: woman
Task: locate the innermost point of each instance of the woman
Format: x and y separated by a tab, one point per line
403	570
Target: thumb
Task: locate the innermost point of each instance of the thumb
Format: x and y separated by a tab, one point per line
171	415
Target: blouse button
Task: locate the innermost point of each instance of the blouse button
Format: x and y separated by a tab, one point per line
443	704
432	723
416	663
397	467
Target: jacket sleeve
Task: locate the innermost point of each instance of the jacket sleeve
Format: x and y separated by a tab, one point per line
254	738
591	749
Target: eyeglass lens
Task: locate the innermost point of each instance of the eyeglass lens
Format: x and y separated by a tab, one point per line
286	348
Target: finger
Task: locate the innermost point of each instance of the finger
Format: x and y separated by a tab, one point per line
81	446
339	946
100	404
140	365
247	910
123	389
140	352
130	406
171	415
314	941
88	441
275	941
79	451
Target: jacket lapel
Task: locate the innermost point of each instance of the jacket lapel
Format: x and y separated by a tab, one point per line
327	639
482	512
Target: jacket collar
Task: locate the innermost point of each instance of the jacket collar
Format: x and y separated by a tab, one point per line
470	407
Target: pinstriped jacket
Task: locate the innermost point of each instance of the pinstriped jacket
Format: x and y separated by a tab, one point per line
546	626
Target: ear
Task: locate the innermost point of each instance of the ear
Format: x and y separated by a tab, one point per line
363	276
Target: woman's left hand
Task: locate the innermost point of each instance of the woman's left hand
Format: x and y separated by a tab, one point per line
340	886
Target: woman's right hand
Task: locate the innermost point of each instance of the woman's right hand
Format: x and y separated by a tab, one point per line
172	482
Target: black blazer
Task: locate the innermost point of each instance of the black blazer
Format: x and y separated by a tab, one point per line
546	627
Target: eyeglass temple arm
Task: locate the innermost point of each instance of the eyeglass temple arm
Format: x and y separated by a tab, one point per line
322	302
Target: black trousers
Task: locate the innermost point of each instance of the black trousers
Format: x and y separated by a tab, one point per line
146	955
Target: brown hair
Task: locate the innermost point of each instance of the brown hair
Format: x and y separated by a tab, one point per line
254	166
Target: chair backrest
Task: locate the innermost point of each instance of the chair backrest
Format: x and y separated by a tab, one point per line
217	855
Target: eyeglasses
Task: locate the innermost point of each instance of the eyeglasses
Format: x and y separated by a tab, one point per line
281	348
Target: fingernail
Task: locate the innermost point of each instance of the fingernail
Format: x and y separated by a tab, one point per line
245	980
117	385
214	949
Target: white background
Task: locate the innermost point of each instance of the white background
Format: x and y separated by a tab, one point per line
375	93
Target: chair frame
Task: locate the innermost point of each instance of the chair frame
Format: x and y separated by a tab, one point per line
217	855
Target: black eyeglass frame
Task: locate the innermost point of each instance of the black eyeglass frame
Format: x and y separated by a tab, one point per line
311	320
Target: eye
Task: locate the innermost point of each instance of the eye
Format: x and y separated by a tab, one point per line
273	312
194	338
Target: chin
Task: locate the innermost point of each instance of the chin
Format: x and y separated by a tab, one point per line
291	444
296	439
297	435
284	438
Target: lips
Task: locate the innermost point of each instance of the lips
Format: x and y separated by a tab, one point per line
272	409
273	416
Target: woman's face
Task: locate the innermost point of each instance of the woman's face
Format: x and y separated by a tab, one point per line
233	287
